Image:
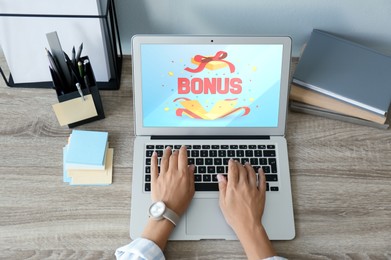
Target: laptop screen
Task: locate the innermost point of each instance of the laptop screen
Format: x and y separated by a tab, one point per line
211	85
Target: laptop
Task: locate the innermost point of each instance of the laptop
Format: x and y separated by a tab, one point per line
222	97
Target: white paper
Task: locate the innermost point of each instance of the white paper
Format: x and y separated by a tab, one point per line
23	39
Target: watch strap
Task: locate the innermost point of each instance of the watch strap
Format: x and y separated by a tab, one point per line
171	216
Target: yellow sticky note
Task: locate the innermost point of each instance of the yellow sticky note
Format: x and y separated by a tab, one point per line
75	110
94	177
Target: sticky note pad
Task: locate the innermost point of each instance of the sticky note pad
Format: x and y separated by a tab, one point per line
93	177
87	150
66	178
75	110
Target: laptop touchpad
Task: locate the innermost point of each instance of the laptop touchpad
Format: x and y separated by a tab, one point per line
204	218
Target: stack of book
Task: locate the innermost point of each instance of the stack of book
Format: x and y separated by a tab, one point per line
88	160
343	80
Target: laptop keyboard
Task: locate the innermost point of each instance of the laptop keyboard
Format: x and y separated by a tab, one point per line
210	160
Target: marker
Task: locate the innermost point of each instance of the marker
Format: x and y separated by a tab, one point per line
81	69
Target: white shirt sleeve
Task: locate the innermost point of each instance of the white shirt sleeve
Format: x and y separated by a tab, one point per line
144	249
140	249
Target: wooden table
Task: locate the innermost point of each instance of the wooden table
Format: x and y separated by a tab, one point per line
341	181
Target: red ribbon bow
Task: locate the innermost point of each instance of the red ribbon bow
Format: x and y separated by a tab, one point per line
203	60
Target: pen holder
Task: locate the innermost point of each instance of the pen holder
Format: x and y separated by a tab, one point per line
77	108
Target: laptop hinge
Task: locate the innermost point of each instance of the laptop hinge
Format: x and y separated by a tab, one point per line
203	137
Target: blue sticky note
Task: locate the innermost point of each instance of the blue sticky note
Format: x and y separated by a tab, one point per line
87	150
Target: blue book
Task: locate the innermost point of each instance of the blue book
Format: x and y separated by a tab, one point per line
346	71
87	150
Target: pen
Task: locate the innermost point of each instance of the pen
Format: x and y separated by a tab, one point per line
73	56
51	60
85	62
79	52
74	72
79	89
88	72
87	83
55	69
56	83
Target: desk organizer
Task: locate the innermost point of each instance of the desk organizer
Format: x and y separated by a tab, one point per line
93	90
109	26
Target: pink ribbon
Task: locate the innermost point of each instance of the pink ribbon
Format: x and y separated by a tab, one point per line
203	60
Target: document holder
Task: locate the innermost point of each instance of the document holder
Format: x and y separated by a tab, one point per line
109	33
81	102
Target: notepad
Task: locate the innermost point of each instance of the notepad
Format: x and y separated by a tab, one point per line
75	110
93	177
82	156
87	150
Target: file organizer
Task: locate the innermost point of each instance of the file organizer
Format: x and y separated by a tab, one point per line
108	19
94	91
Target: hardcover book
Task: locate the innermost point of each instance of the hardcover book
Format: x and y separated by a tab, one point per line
346	71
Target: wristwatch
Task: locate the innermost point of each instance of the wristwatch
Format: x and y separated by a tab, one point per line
159	210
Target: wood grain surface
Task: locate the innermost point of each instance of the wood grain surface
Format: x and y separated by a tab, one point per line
341	181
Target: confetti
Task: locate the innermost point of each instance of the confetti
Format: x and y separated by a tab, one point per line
166	108
170	73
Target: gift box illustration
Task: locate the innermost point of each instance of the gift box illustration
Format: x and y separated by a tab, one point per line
211	62
222	108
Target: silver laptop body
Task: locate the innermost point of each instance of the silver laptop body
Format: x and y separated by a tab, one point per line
218	91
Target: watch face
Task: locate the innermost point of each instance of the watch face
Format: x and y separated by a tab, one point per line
157	209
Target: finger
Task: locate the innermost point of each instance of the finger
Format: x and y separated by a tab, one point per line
154	167
222	187
243	175
174	160
182	159
165	160
233	173
154	175
191	169
262	180
252	177
261	190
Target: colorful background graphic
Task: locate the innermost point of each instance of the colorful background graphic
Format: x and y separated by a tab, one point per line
258	66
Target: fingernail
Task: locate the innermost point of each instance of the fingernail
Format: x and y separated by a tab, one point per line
220	177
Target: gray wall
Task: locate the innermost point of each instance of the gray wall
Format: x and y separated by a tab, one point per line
365	21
